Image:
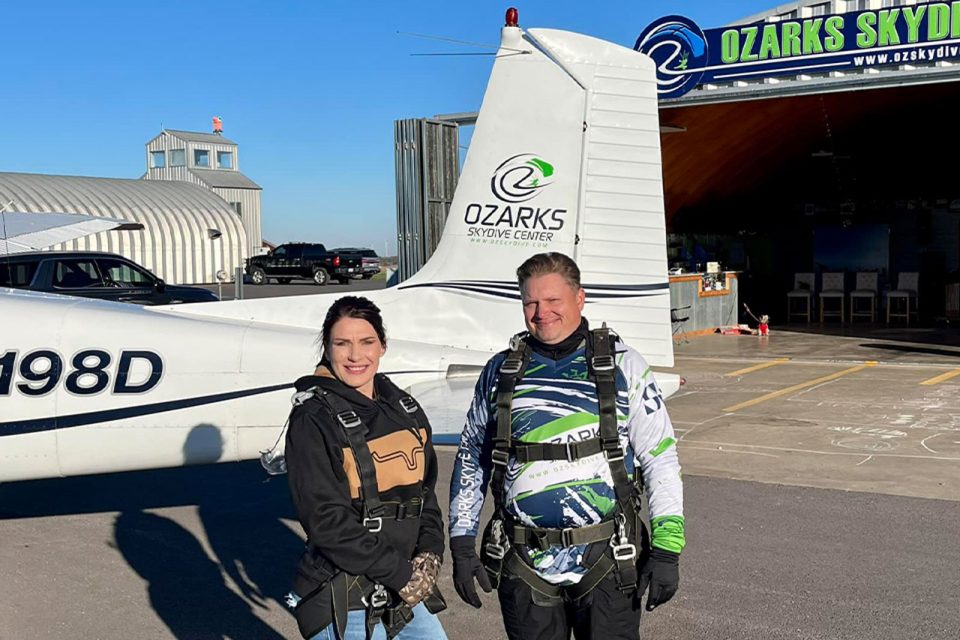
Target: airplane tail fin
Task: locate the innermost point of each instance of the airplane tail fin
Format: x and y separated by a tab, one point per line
565	157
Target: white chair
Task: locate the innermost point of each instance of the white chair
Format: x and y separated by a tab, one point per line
907	290
803	284
866	290
833	288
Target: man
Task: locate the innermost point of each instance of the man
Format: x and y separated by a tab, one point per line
556	427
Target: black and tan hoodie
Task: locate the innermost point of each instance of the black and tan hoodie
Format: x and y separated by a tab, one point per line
325	485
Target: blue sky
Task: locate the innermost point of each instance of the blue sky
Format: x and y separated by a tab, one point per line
309	90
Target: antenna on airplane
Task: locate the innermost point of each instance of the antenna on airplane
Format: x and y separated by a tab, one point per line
512	20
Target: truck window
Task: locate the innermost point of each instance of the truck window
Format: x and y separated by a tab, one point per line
17	274
313	251
124	273
294	252
76	274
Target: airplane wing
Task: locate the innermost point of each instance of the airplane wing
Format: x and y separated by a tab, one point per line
33	231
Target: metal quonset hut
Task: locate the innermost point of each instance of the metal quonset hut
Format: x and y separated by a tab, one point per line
815	137
189	233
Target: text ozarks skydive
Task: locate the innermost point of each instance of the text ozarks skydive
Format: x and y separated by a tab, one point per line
686	56
516	181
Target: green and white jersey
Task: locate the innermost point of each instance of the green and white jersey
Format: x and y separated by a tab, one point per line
556	402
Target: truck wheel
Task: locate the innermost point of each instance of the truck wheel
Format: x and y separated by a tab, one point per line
320	277
258	276
284	280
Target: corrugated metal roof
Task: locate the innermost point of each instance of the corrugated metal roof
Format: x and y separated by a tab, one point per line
196	136
177	218
224	179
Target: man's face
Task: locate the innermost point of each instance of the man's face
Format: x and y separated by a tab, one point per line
551	307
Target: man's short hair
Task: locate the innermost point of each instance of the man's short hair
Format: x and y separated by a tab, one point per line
551	262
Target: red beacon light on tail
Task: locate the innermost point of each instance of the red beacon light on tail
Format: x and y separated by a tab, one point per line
513	17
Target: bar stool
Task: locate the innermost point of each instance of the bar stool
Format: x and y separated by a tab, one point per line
907	287
866	290
802	290
833	288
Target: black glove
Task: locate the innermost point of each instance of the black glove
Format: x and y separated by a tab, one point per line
662	572
466	567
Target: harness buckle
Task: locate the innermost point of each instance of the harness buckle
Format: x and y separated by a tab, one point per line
619	544
401	511
511	365
409	404
496	548
603	363
373	525
571	453
566	537
499	457
349	419
495	551
622	552
379	598
613	455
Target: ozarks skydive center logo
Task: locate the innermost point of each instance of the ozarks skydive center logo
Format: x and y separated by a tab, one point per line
508	219
520	178
678	48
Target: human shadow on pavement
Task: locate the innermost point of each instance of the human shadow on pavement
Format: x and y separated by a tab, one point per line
186	588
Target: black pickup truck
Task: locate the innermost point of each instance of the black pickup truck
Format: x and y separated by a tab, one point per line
301	261
369	260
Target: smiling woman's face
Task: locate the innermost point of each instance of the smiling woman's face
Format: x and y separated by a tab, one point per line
354	353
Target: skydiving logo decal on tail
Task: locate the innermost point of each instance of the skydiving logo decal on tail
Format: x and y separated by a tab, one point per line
517	180
521	178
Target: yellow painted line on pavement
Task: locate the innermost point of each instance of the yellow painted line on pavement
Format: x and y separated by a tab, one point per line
943	377
758	367
798	387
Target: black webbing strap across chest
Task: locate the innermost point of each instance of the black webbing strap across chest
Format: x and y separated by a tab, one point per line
509	535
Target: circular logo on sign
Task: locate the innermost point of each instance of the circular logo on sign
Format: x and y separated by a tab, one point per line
521	177
678	48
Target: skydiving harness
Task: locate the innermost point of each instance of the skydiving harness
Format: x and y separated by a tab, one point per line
506	541
380	605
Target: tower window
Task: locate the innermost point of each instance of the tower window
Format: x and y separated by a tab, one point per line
201	158
158	159
178	158
224	159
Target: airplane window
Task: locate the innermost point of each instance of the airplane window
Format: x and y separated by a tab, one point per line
76	274
124	274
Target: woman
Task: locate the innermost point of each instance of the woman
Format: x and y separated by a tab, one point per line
362	475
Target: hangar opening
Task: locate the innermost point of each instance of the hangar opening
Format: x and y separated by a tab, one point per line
846	181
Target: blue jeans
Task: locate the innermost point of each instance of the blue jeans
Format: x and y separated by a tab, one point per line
424	626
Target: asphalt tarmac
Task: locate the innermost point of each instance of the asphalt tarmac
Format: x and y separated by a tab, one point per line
822	500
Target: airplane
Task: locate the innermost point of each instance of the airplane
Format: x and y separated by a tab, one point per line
565	157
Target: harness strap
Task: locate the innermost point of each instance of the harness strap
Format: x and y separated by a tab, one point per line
571	451
543	539
602	367
511	371
356	433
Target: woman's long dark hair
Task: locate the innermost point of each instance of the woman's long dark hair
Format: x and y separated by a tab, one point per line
351	307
